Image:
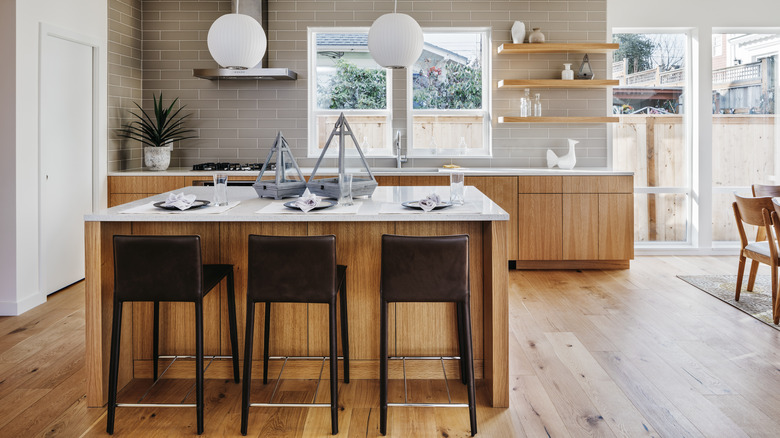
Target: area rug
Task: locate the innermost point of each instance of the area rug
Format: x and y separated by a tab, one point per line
757	304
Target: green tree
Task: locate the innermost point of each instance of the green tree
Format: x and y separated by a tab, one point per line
353	87
457	87
637	49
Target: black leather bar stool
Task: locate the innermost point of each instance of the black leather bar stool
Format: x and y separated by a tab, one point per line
166	268
427	269
294	270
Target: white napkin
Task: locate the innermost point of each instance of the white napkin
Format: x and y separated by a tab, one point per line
307	201
179	200
429	202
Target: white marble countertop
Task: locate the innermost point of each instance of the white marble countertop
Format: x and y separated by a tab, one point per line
389	171
384	205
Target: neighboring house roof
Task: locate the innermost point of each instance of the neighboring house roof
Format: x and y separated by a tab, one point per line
354	42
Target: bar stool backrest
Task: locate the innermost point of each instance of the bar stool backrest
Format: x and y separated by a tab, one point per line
425	269
292	269
761	190
157	268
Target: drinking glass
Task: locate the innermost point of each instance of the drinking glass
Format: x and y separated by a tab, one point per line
220	189
345	189
456	188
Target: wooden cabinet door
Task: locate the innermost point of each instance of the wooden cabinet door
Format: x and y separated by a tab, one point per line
580	226
616	226
539	219
503	191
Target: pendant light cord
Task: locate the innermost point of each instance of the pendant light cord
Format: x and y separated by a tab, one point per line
395	8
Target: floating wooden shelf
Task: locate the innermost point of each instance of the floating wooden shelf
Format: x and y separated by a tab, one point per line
556	83
513	119
558	48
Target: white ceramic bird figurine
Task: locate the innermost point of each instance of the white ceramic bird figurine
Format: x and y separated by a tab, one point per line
565	162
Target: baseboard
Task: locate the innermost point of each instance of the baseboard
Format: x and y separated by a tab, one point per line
572	264
15	308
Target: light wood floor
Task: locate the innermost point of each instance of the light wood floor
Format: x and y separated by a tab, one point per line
593	353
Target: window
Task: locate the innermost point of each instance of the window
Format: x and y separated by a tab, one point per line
344	78
448	95
744	130
652	138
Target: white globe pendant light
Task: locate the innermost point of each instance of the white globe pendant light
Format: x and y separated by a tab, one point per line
395	40
237	41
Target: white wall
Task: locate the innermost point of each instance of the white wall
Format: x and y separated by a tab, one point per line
8	153
698	17
85	17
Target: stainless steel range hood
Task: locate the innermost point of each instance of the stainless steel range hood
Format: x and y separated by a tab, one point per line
258	9
250	73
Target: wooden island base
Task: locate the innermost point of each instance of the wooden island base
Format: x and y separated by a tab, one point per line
301	329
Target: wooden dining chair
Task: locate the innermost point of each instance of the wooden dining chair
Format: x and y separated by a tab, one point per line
762	190
756	212
775	217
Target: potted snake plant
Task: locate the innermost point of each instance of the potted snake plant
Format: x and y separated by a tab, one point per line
157	133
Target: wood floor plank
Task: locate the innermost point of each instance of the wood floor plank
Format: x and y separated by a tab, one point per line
534	408
620	414
659	410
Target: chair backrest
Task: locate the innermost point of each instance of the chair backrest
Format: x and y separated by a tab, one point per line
760	190
297	269
750	209
157	268
425	268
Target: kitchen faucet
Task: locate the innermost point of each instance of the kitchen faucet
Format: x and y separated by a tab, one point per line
399	159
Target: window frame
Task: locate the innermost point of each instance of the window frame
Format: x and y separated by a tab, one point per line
486	112
689	115
313	149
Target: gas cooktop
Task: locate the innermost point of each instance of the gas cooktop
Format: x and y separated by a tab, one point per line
228	166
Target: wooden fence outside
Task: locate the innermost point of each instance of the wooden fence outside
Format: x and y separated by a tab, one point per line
653	146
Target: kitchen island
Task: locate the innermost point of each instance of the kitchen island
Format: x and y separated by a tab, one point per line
301	329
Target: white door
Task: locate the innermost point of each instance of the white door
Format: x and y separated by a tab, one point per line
66	145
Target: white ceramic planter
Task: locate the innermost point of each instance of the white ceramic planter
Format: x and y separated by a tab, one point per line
158	158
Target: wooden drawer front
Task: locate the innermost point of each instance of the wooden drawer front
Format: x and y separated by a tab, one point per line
580	226
190	180
423	180
539	227
616	226
388	180
144	184
539	184
598	184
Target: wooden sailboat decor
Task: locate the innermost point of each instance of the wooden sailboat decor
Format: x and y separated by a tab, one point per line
329	187
283	186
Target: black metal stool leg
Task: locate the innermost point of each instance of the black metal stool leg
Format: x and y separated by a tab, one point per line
248	339
344	328
156	341
334	370
469	356
266	341
231	297
383	367
199	363
461	342
113	373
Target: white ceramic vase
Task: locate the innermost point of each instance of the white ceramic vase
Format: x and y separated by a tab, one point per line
518	32
536	36
158	158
